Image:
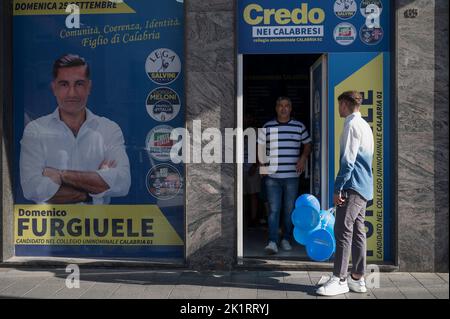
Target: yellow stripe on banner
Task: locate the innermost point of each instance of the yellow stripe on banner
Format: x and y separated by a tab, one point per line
58	7
92	225
369	81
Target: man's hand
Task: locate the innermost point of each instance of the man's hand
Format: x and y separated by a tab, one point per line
107	164
54	174
338	200
263	170
300	166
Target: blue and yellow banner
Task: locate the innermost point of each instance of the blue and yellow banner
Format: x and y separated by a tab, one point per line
367	73
93	225
133	95
311	26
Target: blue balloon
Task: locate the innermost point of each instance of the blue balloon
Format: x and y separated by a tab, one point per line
321	243
306	214
301	236
307	200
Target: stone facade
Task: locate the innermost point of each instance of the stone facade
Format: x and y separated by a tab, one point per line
422	107
210	97
421	127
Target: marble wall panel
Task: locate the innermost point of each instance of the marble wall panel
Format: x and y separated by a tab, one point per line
210	98
422	75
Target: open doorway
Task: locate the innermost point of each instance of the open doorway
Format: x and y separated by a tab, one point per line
265	78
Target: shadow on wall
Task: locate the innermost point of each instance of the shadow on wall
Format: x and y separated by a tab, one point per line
211	230
215	255
441	133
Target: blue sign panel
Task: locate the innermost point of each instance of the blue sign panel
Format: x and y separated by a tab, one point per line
311	26
368	73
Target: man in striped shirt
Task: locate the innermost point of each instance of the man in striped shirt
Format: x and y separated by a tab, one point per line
283	137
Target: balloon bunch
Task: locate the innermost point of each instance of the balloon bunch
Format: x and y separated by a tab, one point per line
314	228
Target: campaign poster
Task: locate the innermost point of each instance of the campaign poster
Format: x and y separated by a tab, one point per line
368	74
98	88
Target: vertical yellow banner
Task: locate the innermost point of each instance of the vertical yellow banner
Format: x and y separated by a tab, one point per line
369	81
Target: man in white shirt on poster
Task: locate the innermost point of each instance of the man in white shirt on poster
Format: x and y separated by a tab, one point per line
72	155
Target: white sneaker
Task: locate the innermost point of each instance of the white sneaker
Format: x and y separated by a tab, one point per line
271	248
285	245
333	287
323	280
356	285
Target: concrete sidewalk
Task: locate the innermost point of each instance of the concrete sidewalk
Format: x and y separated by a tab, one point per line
184	284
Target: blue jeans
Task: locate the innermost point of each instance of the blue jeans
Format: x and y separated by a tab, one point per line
279	189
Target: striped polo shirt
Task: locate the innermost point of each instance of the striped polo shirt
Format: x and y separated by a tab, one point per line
283	141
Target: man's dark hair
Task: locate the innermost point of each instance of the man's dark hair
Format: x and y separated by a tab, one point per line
68	61
284	98
353	98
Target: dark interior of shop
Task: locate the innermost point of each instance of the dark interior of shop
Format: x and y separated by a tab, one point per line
266	77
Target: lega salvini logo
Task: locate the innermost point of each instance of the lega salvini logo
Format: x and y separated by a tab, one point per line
345	9
163	66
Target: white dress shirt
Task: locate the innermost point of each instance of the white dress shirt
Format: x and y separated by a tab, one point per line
356	155
48	142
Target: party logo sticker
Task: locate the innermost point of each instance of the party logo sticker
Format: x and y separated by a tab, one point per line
163	104
163	66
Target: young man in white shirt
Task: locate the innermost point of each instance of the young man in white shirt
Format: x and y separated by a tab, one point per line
353	188
72	155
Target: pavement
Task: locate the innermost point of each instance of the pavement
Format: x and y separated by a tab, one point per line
107	283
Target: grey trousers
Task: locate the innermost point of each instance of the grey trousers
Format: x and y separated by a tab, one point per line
350	234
